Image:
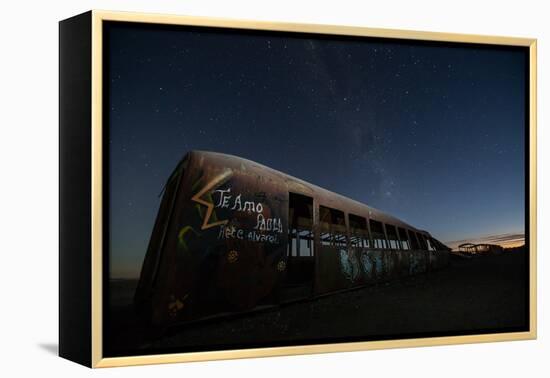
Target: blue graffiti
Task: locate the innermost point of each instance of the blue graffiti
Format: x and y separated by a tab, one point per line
367	264
372	263
349	265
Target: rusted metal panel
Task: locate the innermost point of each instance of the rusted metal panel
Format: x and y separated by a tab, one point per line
340	269
418	262
224	244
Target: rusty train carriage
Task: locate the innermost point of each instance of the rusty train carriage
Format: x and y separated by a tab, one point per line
232	235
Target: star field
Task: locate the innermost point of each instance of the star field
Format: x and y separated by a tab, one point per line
432	134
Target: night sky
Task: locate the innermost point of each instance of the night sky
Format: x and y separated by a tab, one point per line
432	134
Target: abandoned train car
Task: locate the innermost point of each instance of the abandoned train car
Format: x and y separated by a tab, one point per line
232	235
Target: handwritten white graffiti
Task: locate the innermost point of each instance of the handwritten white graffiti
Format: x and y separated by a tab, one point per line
269	224
266	228
232	232
225	202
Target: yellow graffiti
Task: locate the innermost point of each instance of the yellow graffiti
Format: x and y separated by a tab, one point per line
208	198
176	304
232	256
181	236
209	205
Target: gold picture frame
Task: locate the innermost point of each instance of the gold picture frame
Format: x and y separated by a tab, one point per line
96	263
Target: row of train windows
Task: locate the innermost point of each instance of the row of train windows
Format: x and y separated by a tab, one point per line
333	231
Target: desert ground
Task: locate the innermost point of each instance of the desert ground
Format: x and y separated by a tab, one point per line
482	294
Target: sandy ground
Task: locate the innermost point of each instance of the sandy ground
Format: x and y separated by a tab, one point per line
478	295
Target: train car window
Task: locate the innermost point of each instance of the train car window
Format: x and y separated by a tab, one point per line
378	235
359	233
431	244
422	241
332	227
300	216
425	240
403	238
414	241
392	236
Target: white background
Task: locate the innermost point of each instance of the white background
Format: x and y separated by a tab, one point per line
29	188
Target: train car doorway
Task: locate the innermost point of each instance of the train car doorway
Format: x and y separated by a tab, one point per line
300	266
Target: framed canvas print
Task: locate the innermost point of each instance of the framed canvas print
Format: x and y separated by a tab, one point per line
234	189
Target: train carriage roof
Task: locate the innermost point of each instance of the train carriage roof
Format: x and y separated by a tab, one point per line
325	197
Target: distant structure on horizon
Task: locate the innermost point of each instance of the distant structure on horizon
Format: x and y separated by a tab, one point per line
480	249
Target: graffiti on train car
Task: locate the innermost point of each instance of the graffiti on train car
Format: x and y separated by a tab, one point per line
223	206
372	264
376	258
206	190
349	265
375	265
225	199
266	229
232	232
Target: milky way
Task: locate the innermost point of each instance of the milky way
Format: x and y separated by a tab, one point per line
431	133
